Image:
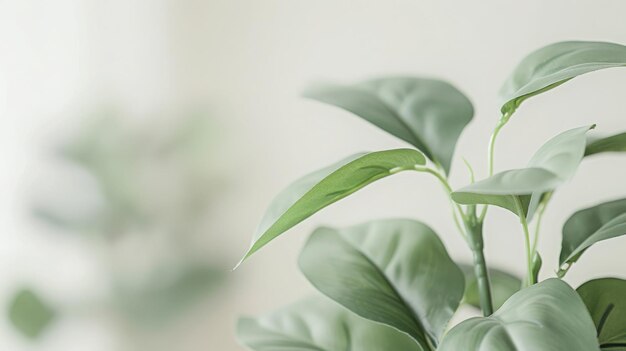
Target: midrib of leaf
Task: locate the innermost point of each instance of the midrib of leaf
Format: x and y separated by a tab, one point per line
413	315
332	198
501	324
417	140
604	317
592	239
384	173
346	331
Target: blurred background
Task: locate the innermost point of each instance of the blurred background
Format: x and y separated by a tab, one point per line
140	142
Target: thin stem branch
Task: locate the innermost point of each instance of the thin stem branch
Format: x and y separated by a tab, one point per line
540	212
470	169
442	179
473	235
491	153
529	256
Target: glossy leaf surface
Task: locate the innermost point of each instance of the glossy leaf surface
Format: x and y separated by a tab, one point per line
427	113
395	272
547	316
553	164
591	225
613	143
318	324
606	301
554	65
321	188
503	286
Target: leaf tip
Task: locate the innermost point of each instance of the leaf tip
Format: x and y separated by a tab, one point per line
244	258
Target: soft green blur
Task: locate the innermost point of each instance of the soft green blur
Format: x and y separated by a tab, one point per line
154	184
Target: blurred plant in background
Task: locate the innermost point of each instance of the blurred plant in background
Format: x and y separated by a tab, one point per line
147	223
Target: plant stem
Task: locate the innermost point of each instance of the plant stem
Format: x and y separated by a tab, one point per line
540	212
491	152
446	186
529	255
475	236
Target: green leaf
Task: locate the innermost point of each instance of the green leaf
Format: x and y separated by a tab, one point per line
586	227
606	301
503	286
319	324
614	143
546	316
29	314
554	65
552	165
427	113
319	189
396	272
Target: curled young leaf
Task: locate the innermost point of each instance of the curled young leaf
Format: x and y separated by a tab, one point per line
396	272
318	324
546	316
606	301
555	64
589	226
319	189
429	114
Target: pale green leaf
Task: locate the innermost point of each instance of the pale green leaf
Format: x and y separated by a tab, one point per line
546	316
552	165
319	189
554	65
606	301
589	226
318	324
396	272
427	113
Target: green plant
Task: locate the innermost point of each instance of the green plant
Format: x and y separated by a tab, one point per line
392	280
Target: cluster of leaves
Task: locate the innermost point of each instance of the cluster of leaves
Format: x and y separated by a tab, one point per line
154	187
391	285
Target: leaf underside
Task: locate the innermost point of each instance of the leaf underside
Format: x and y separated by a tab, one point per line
606	301
589	226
